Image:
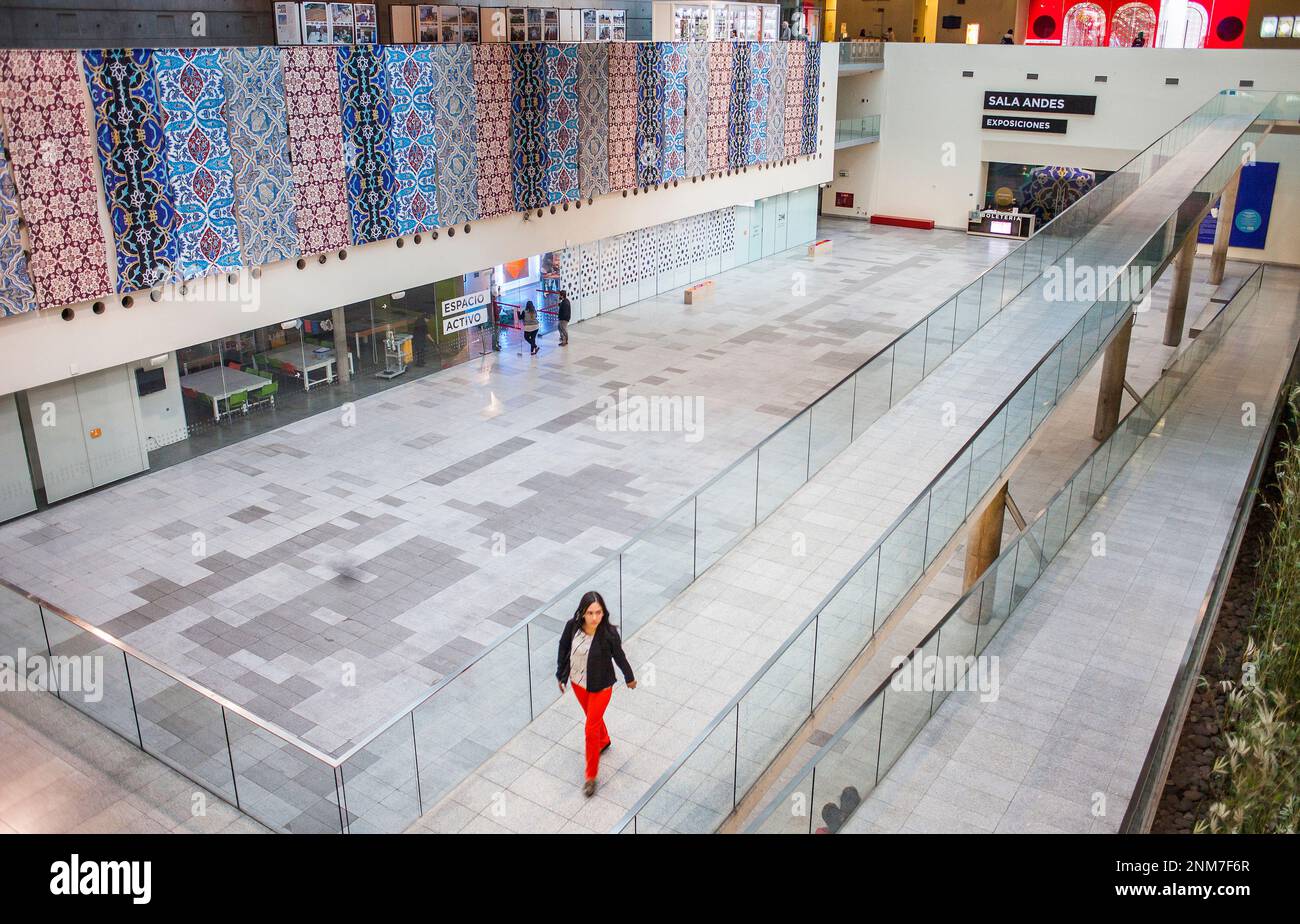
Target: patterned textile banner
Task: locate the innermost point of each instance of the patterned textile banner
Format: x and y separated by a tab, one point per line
738	111
593	119
492	85
720	68
811	95
130	137
561	123
44	107
190	92
649	115
16	293
259	155
760	94
776	102
622	115
367	150
697	108
797	55
528	125
672	70
457	145
311	100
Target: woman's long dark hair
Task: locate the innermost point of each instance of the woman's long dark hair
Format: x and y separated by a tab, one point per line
590	597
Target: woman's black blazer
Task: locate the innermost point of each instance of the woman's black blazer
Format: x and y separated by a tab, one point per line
606	649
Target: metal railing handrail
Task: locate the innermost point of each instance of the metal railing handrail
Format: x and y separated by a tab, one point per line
978	587
925	495
198	688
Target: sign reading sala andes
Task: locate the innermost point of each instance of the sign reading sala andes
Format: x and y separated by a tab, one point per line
1040	102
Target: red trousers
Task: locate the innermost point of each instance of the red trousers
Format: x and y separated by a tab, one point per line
593	707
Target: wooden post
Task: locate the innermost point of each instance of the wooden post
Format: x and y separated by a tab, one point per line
1177	313
341	346
1113	366
1223	228
984	541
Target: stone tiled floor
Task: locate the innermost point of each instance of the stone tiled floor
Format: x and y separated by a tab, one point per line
265	570
63	773
707	643
1088	658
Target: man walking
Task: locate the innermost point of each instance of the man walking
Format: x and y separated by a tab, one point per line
494	292
564	312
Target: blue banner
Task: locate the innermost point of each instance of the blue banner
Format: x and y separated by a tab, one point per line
1254	207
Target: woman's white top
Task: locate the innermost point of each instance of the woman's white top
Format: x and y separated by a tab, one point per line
578	658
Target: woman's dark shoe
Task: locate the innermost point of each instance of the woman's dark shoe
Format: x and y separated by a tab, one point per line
589	788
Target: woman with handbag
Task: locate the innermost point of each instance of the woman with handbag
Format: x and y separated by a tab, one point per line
589	649
531	326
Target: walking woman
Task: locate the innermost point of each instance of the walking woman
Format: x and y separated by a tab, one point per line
531	326
589	648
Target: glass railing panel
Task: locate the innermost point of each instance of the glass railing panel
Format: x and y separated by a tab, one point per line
872	391
701	792
182	728
1081	499
1029	561
783	464
909	363
902	559
795	813
380	786
847	772
948	504
1071	359
966	316
20	626
281	785
656	567
956	642
483	707
543	638
986	458
725	511
939	335
1045	387
91	676
1057	521
991	293
1014	279
996	604
906	707
845	625
774	708
1020	412
832	425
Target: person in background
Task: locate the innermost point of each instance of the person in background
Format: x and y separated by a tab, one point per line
494	292
785	31
564	311
1008	37
589	649
1140	40
531	326
419	338
889	34
862	34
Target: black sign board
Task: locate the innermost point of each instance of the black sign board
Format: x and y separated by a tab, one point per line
1011	123
1040	102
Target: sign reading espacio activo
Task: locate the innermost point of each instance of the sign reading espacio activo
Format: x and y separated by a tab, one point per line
1065	103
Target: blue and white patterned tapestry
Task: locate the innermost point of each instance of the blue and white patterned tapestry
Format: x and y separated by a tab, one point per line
454	130
760	62
561	123
411	89
811	94
776	102
649	115
528	125
190	92
16	293
129	136
259	155
593	119
697	108
738	111
366	146
672	69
